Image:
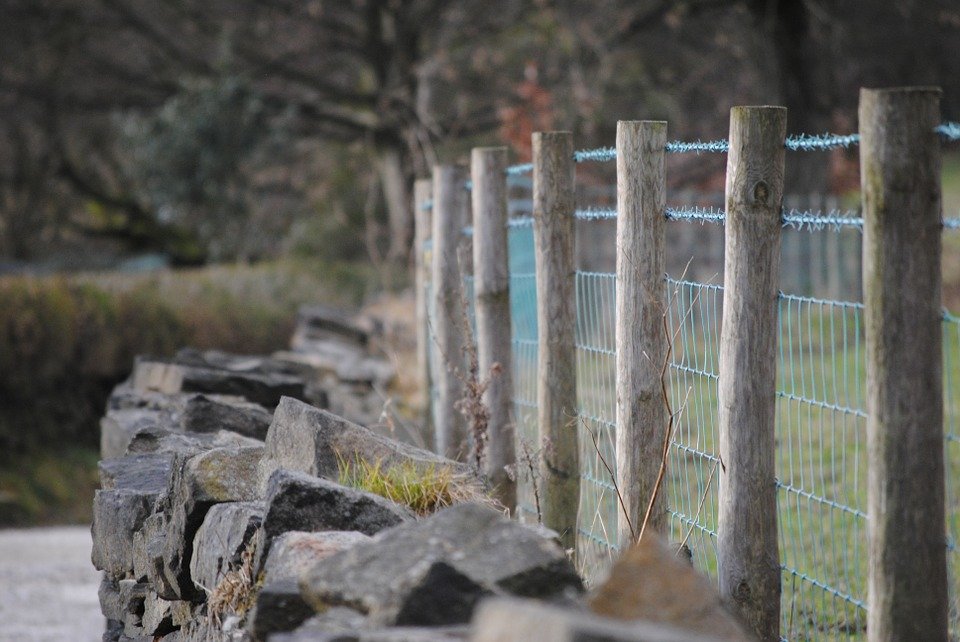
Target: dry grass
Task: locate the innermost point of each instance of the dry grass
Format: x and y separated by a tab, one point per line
236	592
425	489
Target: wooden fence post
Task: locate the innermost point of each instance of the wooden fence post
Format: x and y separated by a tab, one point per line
749	558
640	339
900	182
422	193
491	287
449	218
553	231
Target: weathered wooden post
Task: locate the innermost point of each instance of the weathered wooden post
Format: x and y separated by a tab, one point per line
900	182
749	558
491	287
640	339
553	232
422	210
449	218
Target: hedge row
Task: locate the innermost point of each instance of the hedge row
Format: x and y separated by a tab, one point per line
64	343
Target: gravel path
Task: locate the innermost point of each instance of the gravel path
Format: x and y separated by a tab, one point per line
48	588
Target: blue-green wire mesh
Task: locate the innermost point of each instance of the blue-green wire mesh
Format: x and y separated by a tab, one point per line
596	408
694	311
821	435
523	312
821	468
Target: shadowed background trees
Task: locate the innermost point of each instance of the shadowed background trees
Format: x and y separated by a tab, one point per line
214	130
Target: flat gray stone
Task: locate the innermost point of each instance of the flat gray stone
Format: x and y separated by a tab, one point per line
117	515
313	441
516	620
294	553
433	571
264	388
166	440
204	414
226	531
145	472
297	501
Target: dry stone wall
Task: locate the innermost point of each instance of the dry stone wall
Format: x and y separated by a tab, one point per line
220	515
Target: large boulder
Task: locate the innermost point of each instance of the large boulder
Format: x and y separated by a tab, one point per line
518	620
434	571
218	546
651	583
314	441
298	502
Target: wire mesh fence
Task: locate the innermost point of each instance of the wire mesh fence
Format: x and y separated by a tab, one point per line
821	453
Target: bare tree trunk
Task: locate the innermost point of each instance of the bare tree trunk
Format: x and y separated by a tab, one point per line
396	194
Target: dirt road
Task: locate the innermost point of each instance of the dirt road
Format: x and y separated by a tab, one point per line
48	588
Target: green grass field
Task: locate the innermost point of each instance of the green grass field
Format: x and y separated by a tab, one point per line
821	449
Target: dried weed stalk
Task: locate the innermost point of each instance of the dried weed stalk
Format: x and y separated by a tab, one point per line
236	592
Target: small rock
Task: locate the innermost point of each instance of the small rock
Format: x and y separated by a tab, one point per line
322	322
314	441
209	414
148	472
263	388
118	427
121	599
166	440
649	582
158	614
220	541
279	607
148	549
517	620
297	501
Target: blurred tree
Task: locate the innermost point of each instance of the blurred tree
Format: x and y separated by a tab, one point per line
281	87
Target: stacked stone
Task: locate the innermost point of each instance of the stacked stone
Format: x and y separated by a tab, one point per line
213	534
220	517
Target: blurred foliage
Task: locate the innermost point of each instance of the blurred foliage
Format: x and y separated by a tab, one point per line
212	129
49	487
64	343
201	162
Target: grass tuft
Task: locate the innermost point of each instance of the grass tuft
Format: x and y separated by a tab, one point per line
424	489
